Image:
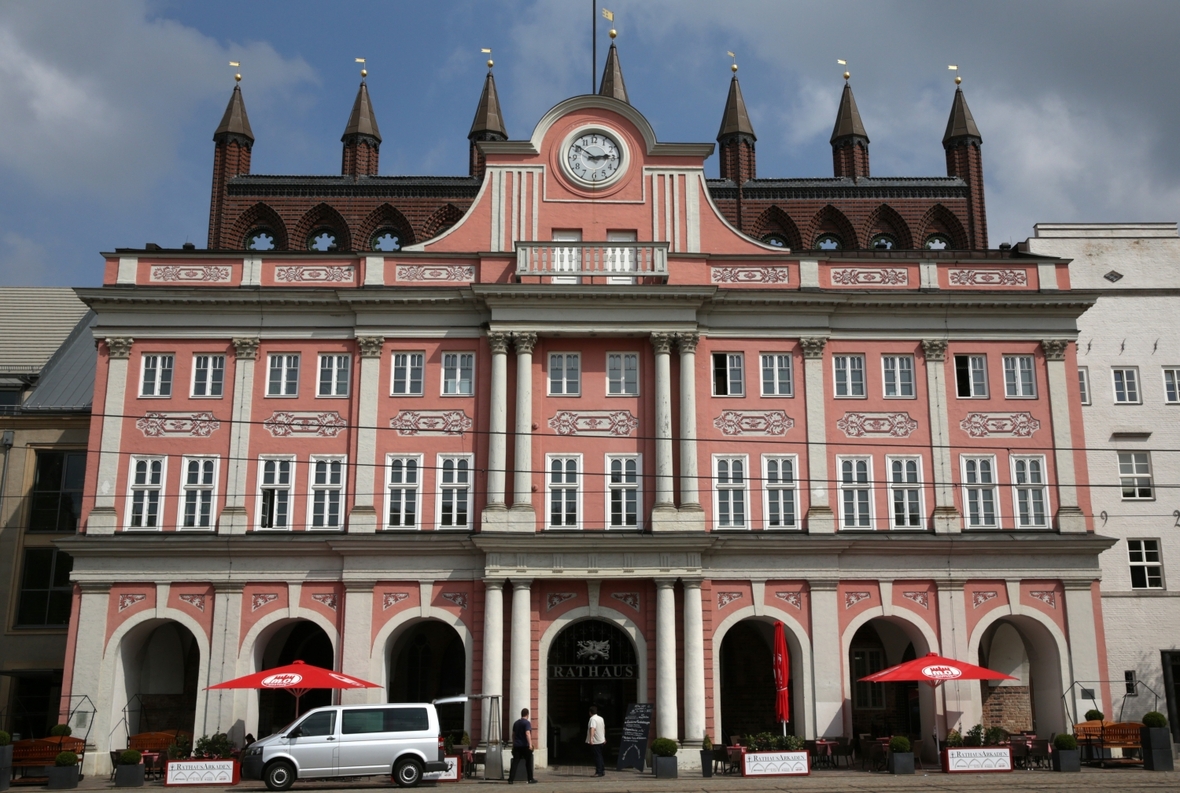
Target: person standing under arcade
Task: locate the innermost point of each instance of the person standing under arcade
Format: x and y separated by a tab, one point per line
522	747
596	737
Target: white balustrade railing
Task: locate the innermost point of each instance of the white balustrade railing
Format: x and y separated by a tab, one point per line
567	262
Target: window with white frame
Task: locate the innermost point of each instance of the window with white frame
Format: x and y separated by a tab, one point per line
971	376
728	376
198	483
979	492
157	375
458	373
327	492
1147	569
1135	476
1032	494
565	374
778	486
1126	386
147	492
407	373
622	373
1172	385
905	492
622	486
776	374
283	377
334	375
729	488
454	491
1019	380
276	477
850	375
564	483
402	483
867	696
856	496
208	375
898	371
1084	384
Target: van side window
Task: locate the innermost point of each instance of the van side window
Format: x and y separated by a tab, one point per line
384	720
318	724
406	720
360	721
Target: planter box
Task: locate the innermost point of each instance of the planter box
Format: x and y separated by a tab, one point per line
960	759
5	766
1066	759
202	772
901	762
775	763
1156	743
706	763
62	777
664	767
129	775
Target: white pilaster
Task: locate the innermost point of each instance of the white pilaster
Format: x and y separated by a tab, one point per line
522	475
103	518
1069	515
664	517
694	664
357	641
234	519
493	652
666	708
498	421
690	500
820	519
225	710
521	681
827	647
946	515
1083	646
363	518
961	703
89	665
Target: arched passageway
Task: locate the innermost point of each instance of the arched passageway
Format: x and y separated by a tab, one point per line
591	662
883	709
156	684
1021	647
747	681
297	640
429	661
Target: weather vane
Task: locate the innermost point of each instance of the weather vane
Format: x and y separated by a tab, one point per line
488	51
610	17
844	63
238	76
734	67
364	71
954	68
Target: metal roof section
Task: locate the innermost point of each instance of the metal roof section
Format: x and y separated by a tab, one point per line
34	321
67	381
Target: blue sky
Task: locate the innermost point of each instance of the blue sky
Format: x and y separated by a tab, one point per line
107	108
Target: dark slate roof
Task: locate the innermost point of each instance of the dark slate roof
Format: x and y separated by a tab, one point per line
933	187
735	120
362	121
961	124
67	381
488	117
612	77
378	186
235	121
848	123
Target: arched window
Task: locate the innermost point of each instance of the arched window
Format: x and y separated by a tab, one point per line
322	239
883	242
386	239
776	240
260	239
828	242
938	242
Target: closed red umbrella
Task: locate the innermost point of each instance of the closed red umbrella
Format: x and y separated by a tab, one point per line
297	678
782	677
933	669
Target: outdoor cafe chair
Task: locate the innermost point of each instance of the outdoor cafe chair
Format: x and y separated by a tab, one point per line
876	756
842	749
114	763
1020	754
916	747
1038	752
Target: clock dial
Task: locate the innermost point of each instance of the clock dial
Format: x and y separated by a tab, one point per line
593	157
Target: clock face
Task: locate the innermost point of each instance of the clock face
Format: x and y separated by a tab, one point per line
594	158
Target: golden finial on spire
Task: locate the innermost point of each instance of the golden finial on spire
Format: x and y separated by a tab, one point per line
488	50
610	16
843	62
952	67
364	71
237	76
734	67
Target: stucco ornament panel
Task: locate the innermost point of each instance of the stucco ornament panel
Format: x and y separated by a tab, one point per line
627	598
162	425
458	598
431	422
979	598
792	598
893	425
870	276
460	273
852	598
284	424
921	598
987	277
602	423
190	274
313	273
326	598
126	601
196	601
753	422
262	599
1048	597
555	599
390	599
750	275
981	425
725	598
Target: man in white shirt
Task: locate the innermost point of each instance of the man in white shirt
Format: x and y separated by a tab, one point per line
596	737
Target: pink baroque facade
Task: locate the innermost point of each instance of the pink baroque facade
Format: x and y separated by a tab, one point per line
591	431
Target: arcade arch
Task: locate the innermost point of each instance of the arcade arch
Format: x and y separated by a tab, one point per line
285	642
428	660
158	664
1031	648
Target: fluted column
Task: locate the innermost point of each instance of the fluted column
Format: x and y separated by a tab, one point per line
666	709
363	518
522	478
946	515
493	652
820	519
103	519
1069	515
498	420
690	499
694	663
521	680
662	342
234	518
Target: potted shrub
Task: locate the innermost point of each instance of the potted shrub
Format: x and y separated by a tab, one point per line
1066	756
61	731
901	758
707	756
664	757
5	759
63	774
180	749
994	736
1156	740
214	747
954	739
1093	714
129	771
974	736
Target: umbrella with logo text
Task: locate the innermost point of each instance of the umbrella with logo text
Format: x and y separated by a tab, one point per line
297	678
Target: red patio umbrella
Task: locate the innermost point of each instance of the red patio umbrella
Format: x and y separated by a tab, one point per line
782	677
932	669
297	678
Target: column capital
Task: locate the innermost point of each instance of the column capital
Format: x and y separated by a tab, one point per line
521	584
934	349
662	342
371	346
524	343
119	346
665	583
494	583
94	587
692	583
498	341
687	342
813	346
360	584
822	586
1055	349
246	349
229	587
1077	583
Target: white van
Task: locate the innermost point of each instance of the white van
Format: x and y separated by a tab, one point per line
350	740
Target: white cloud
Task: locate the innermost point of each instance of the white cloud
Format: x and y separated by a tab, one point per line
23	262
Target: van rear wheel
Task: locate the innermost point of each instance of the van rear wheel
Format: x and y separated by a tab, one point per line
407	773
279	775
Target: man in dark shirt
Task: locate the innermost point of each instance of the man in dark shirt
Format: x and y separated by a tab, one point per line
522	747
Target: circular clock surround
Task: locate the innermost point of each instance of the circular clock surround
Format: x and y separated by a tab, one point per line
594	157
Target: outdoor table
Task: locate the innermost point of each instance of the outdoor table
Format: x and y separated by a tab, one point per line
823	752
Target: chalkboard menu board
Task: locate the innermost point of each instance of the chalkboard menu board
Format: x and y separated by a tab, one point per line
633	747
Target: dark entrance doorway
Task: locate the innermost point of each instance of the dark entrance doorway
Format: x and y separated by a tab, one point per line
296	641
747	681
590	663
429	661
882	709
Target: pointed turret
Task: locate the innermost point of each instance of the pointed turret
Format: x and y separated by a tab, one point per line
233	140
488	124
736	137
612	76
964	159
850	142
361	138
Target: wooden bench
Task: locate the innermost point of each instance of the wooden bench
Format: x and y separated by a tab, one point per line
156	741
40	752
1109	735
